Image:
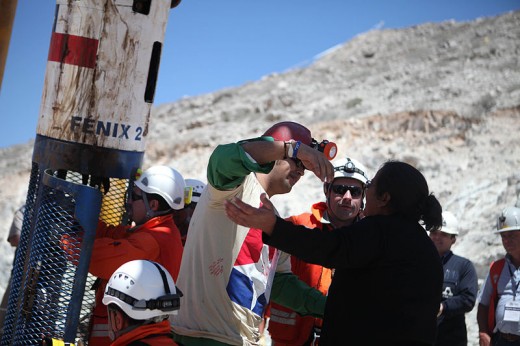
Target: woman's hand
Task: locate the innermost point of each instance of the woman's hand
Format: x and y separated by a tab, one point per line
246	215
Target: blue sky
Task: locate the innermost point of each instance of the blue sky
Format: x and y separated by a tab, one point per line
210	45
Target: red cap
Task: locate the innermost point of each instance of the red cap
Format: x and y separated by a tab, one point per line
287	130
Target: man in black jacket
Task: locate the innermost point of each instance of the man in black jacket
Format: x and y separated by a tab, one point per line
460	286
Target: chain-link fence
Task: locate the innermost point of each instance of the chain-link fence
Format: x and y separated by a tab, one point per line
51	293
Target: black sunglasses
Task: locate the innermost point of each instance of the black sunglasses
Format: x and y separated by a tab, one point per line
135	196
355	191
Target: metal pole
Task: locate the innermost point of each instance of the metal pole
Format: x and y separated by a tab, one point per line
7	12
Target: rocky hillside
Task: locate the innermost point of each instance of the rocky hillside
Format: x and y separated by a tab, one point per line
444	97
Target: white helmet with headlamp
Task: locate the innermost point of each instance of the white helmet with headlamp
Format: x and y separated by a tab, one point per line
144	290
350	168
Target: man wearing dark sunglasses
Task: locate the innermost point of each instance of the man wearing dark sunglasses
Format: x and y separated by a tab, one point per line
343	206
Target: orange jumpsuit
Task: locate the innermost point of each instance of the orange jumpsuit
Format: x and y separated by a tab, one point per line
156	334
286	327
158	240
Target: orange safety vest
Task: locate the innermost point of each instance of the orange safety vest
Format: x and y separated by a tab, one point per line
494	274
287	327
115	246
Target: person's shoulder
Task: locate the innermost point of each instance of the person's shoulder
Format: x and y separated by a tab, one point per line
368	220
463	261
389	224
300	218
461	258
302	215
392	220
373	223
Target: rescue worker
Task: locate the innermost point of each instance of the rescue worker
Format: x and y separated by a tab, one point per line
344	203
153	236
459	290
140	297
227	272
498	315
182	217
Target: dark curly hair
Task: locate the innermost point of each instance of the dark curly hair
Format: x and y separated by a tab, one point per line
409	193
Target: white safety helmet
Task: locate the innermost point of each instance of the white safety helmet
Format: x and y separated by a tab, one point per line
143	290
450	223
350	168
508	220
165	182
197	186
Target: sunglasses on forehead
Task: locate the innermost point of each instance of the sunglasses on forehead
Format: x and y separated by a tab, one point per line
355	191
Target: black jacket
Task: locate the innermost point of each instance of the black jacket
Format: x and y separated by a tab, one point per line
387	283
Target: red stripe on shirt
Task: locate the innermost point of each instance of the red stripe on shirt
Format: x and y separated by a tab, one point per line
73	50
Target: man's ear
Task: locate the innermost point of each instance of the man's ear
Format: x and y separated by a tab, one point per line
116	320
119	320
154	204
326	189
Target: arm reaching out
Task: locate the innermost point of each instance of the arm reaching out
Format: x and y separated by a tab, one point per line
246	215
313	160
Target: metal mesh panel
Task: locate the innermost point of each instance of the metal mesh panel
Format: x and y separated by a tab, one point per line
18	264
113	207
50	276
51	265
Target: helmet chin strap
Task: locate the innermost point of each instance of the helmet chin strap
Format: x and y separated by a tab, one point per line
149	212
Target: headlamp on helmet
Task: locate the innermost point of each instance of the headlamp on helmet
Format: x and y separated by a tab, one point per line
350	168
329	149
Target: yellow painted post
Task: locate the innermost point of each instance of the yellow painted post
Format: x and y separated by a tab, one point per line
7	13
